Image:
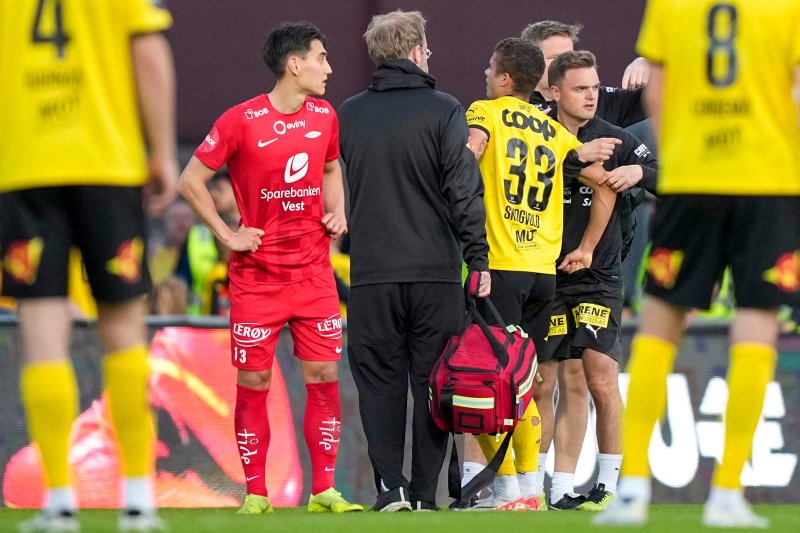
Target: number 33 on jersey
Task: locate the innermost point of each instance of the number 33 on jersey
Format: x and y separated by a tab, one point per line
524	183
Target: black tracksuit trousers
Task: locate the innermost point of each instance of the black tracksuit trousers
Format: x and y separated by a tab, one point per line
396	332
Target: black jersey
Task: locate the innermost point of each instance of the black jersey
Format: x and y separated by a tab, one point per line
606	261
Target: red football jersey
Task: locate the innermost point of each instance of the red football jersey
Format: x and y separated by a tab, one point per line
276	163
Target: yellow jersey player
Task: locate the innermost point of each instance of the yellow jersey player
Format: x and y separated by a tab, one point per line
720	94
524	156
77	75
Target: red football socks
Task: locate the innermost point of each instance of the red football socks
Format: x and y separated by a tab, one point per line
252	436
322	427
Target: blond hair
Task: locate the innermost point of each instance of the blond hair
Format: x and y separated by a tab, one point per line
393	35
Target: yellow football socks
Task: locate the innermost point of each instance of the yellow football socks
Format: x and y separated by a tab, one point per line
525	443
651	361
50	396
526	440
126	374
489	445
752	367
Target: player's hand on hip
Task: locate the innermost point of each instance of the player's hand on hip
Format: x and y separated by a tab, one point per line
335	224
485	285
246	239
578	259
623	178
598	149
162	189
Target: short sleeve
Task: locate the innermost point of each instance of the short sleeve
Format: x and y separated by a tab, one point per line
650	44
479	116
220	144
147	16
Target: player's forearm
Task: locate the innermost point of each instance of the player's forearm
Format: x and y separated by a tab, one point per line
155	82
603	200
192	186
593	175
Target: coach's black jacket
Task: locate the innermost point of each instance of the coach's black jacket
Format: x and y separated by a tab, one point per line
416	193
620	107
606	260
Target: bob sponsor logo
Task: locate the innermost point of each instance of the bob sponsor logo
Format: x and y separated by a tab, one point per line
331	327
249	334
316	109
258	113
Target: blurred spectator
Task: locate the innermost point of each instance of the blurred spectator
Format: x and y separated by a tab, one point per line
164	259
208	261
170	297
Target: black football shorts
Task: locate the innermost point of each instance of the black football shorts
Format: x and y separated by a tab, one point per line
39	226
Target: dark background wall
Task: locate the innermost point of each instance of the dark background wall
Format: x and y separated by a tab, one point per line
217	44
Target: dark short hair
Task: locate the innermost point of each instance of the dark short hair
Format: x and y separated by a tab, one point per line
522	60
569	61
288	38
544	29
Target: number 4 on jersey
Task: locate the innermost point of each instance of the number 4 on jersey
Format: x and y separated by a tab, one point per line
48	25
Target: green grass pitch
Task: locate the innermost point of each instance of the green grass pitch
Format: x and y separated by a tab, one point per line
663	518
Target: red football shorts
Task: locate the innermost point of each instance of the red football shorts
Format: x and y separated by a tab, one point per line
259	311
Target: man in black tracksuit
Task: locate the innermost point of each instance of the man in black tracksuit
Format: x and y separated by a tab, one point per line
585	336
620	107
416	207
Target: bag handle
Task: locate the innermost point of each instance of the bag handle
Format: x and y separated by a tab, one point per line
472	285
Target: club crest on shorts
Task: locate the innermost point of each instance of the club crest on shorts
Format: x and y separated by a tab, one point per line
331	327
664	265
22	260
249	334
127	264
786	272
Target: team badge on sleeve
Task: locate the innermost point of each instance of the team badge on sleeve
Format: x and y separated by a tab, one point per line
210	142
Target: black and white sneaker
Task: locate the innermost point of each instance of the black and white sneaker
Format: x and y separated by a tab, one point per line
392	501
48	521
570	502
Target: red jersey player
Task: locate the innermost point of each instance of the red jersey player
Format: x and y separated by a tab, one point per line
282	152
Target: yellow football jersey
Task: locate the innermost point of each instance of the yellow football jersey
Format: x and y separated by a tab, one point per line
68	102
523	182
729	123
